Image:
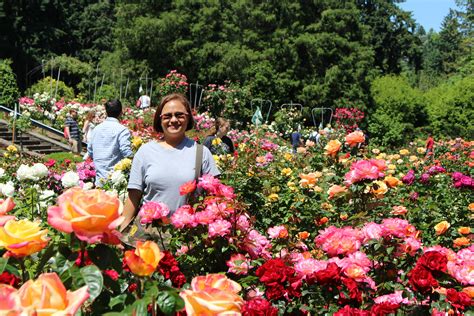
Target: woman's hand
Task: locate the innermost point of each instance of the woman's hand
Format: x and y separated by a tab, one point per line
130	208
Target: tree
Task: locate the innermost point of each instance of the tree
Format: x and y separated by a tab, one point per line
8	88
449	44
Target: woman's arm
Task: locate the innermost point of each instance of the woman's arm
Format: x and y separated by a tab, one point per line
131	207
84	130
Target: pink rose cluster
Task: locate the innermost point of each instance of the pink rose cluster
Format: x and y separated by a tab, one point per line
365	170
85	170
268	145
346	240
151	211
215	212
462	181
461	265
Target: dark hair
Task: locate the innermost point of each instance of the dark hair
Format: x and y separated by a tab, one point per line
170	97
113	108
220	121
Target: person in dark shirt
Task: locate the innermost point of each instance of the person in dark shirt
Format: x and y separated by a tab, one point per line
73	132
218	142
296	139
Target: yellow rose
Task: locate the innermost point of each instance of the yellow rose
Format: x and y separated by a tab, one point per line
273	197
12	148
392	167
413	158
136	142
404	152
288	156
379	188
216	141
123	164
242	146
376	151
22	237
421	150
286	171
441	227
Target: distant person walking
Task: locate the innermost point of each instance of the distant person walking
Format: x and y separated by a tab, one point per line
110	142
429	146
296	139
72	132
144	102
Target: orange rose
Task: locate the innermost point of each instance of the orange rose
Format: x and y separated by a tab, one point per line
323	220
355	138
9	301
471	207
303	235
213	294
441	227
48	296
461	241
308	180
144	260
23	238
332	148
469	291
336	191
391	181
92	215
464	230
187	188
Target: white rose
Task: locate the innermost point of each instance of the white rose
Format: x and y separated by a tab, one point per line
88	186
24	173
45	197
70	179
117	177
8	189
39	170
2	172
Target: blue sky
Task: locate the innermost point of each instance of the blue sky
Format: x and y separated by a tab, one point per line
429	13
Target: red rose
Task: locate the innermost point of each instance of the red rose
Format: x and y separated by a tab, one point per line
458	299
275	292
434	261
354	292
383	309
422	280
8	278
168	267
258	307
330	275
112	274
351	311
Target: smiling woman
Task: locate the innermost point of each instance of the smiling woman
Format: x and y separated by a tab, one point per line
159	168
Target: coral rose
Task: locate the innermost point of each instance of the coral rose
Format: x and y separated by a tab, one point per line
92	215
355	138
187	188
336	191
441	227
9	301
48	296
23	238
144	260
332	148
215	281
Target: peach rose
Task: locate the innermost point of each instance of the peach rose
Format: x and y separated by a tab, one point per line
212	302
379	188
332	148
336	191
144	260
48	296
355	138
23	238
92	215
9	301
215	281
303	235
213	294
471	207
308	180
391	181
441	227
5	207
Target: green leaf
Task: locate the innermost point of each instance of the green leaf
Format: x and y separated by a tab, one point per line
45	258
93	278
140	307
117	300
105	257
169	302
3	264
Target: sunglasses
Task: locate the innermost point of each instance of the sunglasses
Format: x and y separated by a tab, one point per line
179	116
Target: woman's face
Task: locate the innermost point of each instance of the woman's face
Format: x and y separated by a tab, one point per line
174	119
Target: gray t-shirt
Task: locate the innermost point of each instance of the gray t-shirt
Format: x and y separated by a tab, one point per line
159	172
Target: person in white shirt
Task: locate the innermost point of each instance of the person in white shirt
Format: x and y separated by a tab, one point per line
144	102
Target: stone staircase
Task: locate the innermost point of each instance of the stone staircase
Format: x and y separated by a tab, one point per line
31	142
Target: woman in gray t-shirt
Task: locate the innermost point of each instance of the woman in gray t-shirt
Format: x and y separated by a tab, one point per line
159	168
